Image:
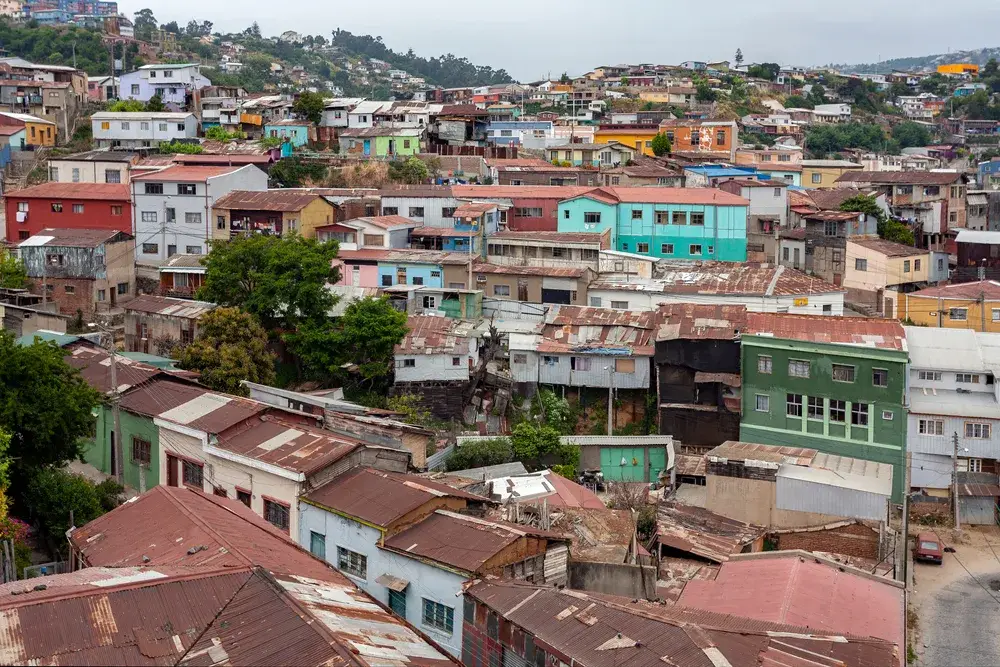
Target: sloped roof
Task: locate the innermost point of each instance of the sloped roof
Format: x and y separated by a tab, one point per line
194	174
386	222
266	200
695	321
702	533
165	305
583	329
888	248
73	238
82	191
189	405
728	278
863	331
989	289
902	177
430	334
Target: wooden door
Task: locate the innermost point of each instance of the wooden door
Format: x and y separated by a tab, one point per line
172	462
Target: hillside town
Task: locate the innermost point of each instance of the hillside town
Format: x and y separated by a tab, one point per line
307	358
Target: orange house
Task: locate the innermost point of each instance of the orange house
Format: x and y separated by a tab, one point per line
715	138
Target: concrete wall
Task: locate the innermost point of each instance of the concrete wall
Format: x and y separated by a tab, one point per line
633	581
87	171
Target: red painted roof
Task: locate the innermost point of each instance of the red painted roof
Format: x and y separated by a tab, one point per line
802	592
571	494
88	191
191	173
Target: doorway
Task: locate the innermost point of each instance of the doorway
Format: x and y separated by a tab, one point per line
172	470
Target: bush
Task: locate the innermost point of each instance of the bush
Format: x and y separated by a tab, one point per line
177	147
480	453
645	523
55	492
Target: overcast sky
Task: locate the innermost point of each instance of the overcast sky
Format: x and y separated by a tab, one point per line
534	38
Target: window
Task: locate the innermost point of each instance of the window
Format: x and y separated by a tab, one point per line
843	373
697	218
667	249
784	158
162	126
22	206
859	414
194	218
153	188
390	210
317	544
192	249
930	427
54	260
416	211
906	266
406	363
78	208
135	91
694	249
830	228
122	288
501	290
550	360
624	365
958	314
860	264
880	377
793	405
23	234
624	247
642	248
126	125
817	178
170	215
506	133
150	249
798	368
276	514
456	361
148	216
70	289
171	250
116	210
933	376
977	430
104	126
595	301
101	295
814	409
838	411
144	125
827	308
430	302
637	214
763	403
932	190
887	415
76	174
973	465
784	253
180	126
764	364
438	616
579	363
966	378
619	305
591	218
141	451
186	188
837	258
57	207
243	496
916	265
352	562
720	138
193	474
695	137
679	218
519	358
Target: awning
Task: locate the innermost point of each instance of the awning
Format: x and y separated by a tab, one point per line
392	583
977	200
980	490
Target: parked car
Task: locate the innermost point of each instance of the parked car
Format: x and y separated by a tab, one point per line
928	548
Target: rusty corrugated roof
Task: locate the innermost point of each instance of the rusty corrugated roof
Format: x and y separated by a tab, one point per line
588	238
430	334
165	305
179	526
447	232
700	321
730	278
194	174
287	201
404	256
902	177
888	248
598	330
74	238
702	533
868	332
380	497
94	364
550	271
83	191
736	450
988	289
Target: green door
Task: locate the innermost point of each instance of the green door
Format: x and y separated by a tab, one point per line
623	464
657	463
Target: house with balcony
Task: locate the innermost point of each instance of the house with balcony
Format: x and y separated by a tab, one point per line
270	212
564	249
142	129
676	223
175	84
173	207
181	276
953	395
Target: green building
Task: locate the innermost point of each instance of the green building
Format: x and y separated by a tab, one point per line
137	430
834	385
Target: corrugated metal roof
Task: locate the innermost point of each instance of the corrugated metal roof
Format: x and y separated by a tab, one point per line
863	331
473	210
287	201
429	334
888	248
702	533
550	271
734	450
384	221
447	232
583	238
978	236
953	349
179	526
700	321
82	191
94	364
979	490
183	262
519	191
556	489
900	177
380	497
404	256
194	174
74	238
164	305
990	289
597	330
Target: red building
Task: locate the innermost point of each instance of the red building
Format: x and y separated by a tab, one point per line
533	208
68	206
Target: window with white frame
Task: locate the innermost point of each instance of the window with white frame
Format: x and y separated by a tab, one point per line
930	426
580	363
887	415
996	314
193	218
966	378
798	368
352	562
815	408
764	362
859	414
149	216
973	465
838	411
501	290
793	405
932	376
842	373
763	403
977	430
619	305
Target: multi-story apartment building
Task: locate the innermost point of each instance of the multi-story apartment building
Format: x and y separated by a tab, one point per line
174	83
141	129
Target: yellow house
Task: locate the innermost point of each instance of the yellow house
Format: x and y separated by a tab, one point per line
639	138
37	131
959	68
875	269
960	306
824	173
277	212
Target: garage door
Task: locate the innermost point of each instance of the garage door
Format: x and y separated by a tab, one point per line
623	464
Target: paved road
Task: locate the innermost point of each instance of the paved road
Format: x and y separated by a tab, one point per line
959	620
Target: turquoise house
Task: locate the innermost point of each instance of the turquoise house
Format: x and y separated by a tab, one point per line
667	223
293	133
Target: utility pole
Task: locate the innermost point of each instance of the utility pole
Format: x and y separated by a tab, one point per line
954	477
611	400
119	470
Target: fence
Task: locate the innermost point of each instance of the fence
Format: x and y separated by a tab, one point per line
437	461
505	309
45	569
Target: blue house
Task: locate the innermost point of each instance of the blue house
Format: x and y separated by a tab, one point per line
989	174
473	221
710	175
674	223
293	133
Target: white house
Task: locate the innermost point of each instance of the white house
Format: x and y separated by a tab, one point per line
142	129
92	167
431	207
953	391
363	114
335	111
174	83
832	113
384	231
172	208
436	349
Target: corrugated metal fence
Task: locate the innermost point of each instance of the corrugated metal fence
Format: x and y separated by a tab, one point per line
437	461
505	309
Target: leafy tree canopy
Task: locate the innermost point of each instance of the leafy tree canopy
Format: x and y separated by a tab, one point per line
826	139
231	347
53	493
412	171
909	134
294	172
767	71
310	105
13	275
480	453
661	144
279	280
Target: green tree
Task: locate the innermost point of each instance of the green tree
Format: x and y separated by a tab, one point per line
13	275
768	71
44	403
798	102
179	147
155	104
890	230
130	106
480	453
704	91
532	443
661	144
817	94
413	171
52	493
231	347
294	172
279	280
565	78
310	106
898	89
739	57
144	24
909	134
935	84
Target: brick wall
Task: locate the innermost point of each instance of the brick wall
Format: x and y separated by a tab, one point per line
855	540
81	299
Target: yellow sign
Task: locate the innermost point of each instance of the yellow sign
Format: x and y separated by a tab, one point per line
801	302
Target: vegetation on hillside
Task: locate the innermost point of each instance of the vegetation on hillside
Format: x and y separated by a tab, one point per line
54	45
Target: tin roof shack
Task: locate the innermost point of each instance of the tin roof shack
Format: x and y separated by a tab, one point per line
270	212
280	594
419	300
435	360
698	372
758	287
402	539
371	425
978	256
625	458
834	385
695	532
794	487
23	313
798	587
534	284
548	626
157	324
181	276
84	270
558	249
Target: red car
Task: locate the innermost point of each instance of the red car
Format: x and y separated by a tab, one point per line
928	548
